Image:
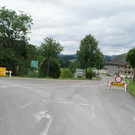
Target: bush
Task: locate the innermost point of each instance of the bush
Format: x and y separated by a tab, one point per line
32	73
108	74
66	73
54	68
90	74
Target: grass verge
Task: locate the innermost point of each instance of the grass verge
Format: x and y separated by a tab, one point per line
131	87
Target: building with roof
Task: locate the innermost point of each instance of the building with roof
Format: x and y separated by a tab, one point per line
119	65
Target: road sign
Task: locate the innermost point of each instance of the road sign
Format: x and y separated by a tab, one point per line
118	79
79	73
118	84
34	64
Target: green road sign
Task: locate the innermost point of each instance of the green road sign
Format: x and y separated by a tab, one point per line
34	64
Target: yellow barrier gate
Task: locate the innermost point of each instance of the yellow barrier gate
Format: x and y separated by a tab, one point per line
2	71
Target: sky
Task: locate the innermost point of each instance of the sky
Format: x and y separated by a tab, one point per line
111	22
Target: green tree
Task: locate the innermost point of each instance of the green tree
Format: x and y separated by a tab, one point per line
50	49
54	71
73	66
131	59
13	37
88	52
100	61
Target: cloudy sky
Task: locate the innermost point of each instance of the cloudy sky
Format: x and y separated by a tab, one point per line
111	22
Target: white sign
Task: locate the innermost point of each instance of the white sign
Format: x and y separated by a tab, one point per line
79	72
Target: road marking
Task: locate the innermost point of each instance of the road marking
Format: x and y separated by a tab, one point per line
93	111
84	104
40	115
24	106
134	118
90	86
43	114
92	107
46	130
98	85
66	102
8	86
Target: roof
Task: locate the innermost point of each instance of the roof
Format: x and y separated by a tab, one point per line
118	60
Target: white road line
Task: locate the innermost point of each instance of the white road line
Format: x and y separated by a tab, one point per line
43	114
40	115
8	86
22	107
26	105
134	118
93	86
66	102
46	130
92	107
93	111
98	85
84	104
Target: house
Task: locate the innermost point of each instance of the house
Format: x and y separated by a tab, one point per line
119	65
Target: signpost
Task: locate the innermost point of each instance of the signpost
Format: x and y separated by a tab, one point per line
34	64
117	82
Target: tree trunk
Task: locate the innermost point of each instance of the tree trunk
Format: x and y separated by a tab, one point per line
48	64
134	76
86	73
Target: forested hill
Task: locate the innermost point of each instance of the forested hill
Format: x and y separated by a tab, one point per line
68	57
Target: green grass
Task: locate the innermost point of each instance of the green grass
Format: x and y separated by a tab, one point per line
73	60
131	87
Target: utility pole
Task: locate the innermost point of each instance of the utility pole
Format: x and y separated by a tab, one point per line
98	69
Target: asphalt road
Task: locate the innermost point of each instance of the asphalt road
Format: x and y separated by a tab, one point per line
64	107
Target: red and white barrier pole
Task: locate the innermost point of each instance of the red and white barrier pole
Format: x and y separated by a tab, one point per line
109	85
10	73
125	86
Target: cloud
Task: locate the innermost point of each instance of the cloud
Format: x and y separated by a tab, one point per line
68	21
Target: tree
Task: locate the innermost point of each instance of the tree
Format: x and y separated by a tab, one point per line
50	49
73	66
131	59
13	27
88	52
13	37
101	61
54	71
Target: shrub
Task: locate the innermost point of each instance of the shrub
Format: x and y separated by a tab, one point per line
90	74
54	68
66	73
108	74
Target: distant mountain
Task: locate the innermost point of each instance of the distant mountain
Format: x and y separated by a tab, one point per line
73	55
108	57
68	57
